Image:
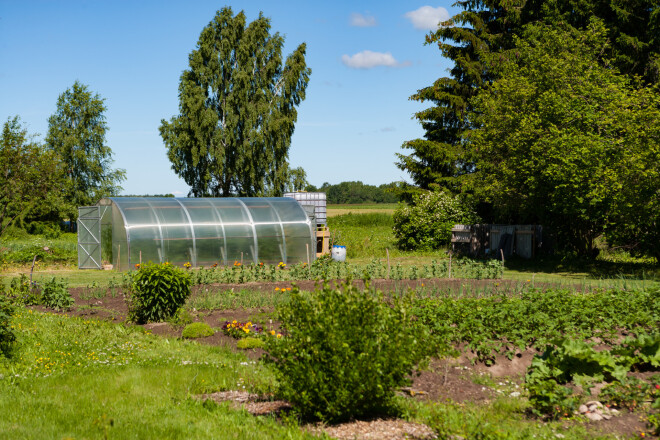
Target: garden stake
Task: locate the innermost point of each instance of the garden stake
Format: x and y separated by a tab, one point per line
387	251
118	255
307	247
241	258
34	260
140	258
502	252
449	275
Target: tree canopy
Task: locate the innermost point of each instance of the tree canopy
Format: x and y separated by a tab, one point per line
548	131
76	132
561	135
632	27
237	104
30	176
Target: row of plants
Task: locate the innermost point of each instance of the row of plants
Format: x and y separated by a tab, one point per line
504	324
325	269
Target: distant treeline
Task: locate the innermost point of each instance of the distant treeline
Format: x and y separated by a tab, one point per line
147	195
357	192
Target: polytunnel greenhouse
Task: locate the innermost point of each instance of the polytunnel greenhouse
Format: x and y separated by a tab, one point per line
120	232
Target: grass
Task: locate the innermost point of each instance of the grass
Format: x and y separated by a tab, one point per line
385	208
75	378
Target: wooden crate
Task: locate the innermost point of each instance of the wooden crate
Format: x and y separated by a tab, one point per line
322	241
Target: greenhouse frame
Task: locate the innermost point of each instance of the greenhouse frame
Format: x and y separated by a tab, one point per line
120	232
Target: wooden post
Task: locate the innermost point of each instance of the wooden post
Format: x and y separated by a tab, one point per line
449	274
307	248
118	255
502	252
387	251
241	258
34	260
140	258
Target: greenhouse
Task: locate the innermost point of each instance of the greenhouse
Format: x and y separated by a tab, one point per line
120	232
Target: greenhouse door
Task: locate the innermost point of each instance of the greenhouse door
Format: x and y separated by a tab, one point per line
89	237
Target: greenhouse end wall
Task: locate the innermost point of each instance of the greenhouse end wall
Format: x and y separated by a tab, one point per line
205	231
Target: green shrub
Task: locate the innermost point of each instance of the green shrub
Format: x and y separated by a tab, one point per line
7	336
427	223
158	291
197	330
248	343
55	294
345	351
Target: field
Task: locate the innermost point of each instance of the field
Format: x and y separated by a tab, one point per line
89	373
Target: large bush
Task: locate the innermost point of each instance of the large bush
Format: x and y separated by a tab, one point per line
158	291
344	351
426	223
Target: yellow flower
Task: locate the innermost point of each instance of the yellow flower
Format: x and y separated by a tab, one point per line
272	332
277	289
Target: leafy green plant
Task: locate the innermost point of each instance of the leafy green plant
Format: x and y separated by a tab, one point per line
249	343
23	292
55	294
345	351
7	335
158	291
181	318
629	393
197	330
577	362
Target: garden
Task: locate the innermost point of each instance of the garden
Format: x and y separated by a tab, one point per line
416	345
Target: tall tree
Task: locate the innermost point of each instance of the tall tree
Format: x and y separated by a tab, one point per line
633	28
563	138
237	106
77	133
31	178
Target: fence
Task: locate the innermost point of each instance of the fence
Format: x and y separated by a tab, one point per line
475	240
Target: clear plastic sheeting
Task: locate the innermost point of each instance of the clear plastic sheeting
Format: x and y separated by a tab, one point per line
204	231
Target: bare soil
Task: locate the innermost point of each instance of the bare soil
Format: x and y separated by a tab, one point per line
459	380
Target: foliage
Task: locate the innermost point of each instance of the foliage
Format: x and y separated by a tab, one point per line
7	335
197	330
328	269
427	223
237	106
250	343
572	361
488	26
31	178
564	140
630	393
358	192
534	318
158	291
23	292
55	295
76	132
345	351
239	330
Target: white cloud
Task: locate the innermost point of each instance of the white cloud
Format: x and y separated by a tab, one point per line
368	59
427	17
360	20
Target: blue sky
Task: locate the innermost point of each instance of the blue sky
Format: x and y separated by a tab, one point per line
367	58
